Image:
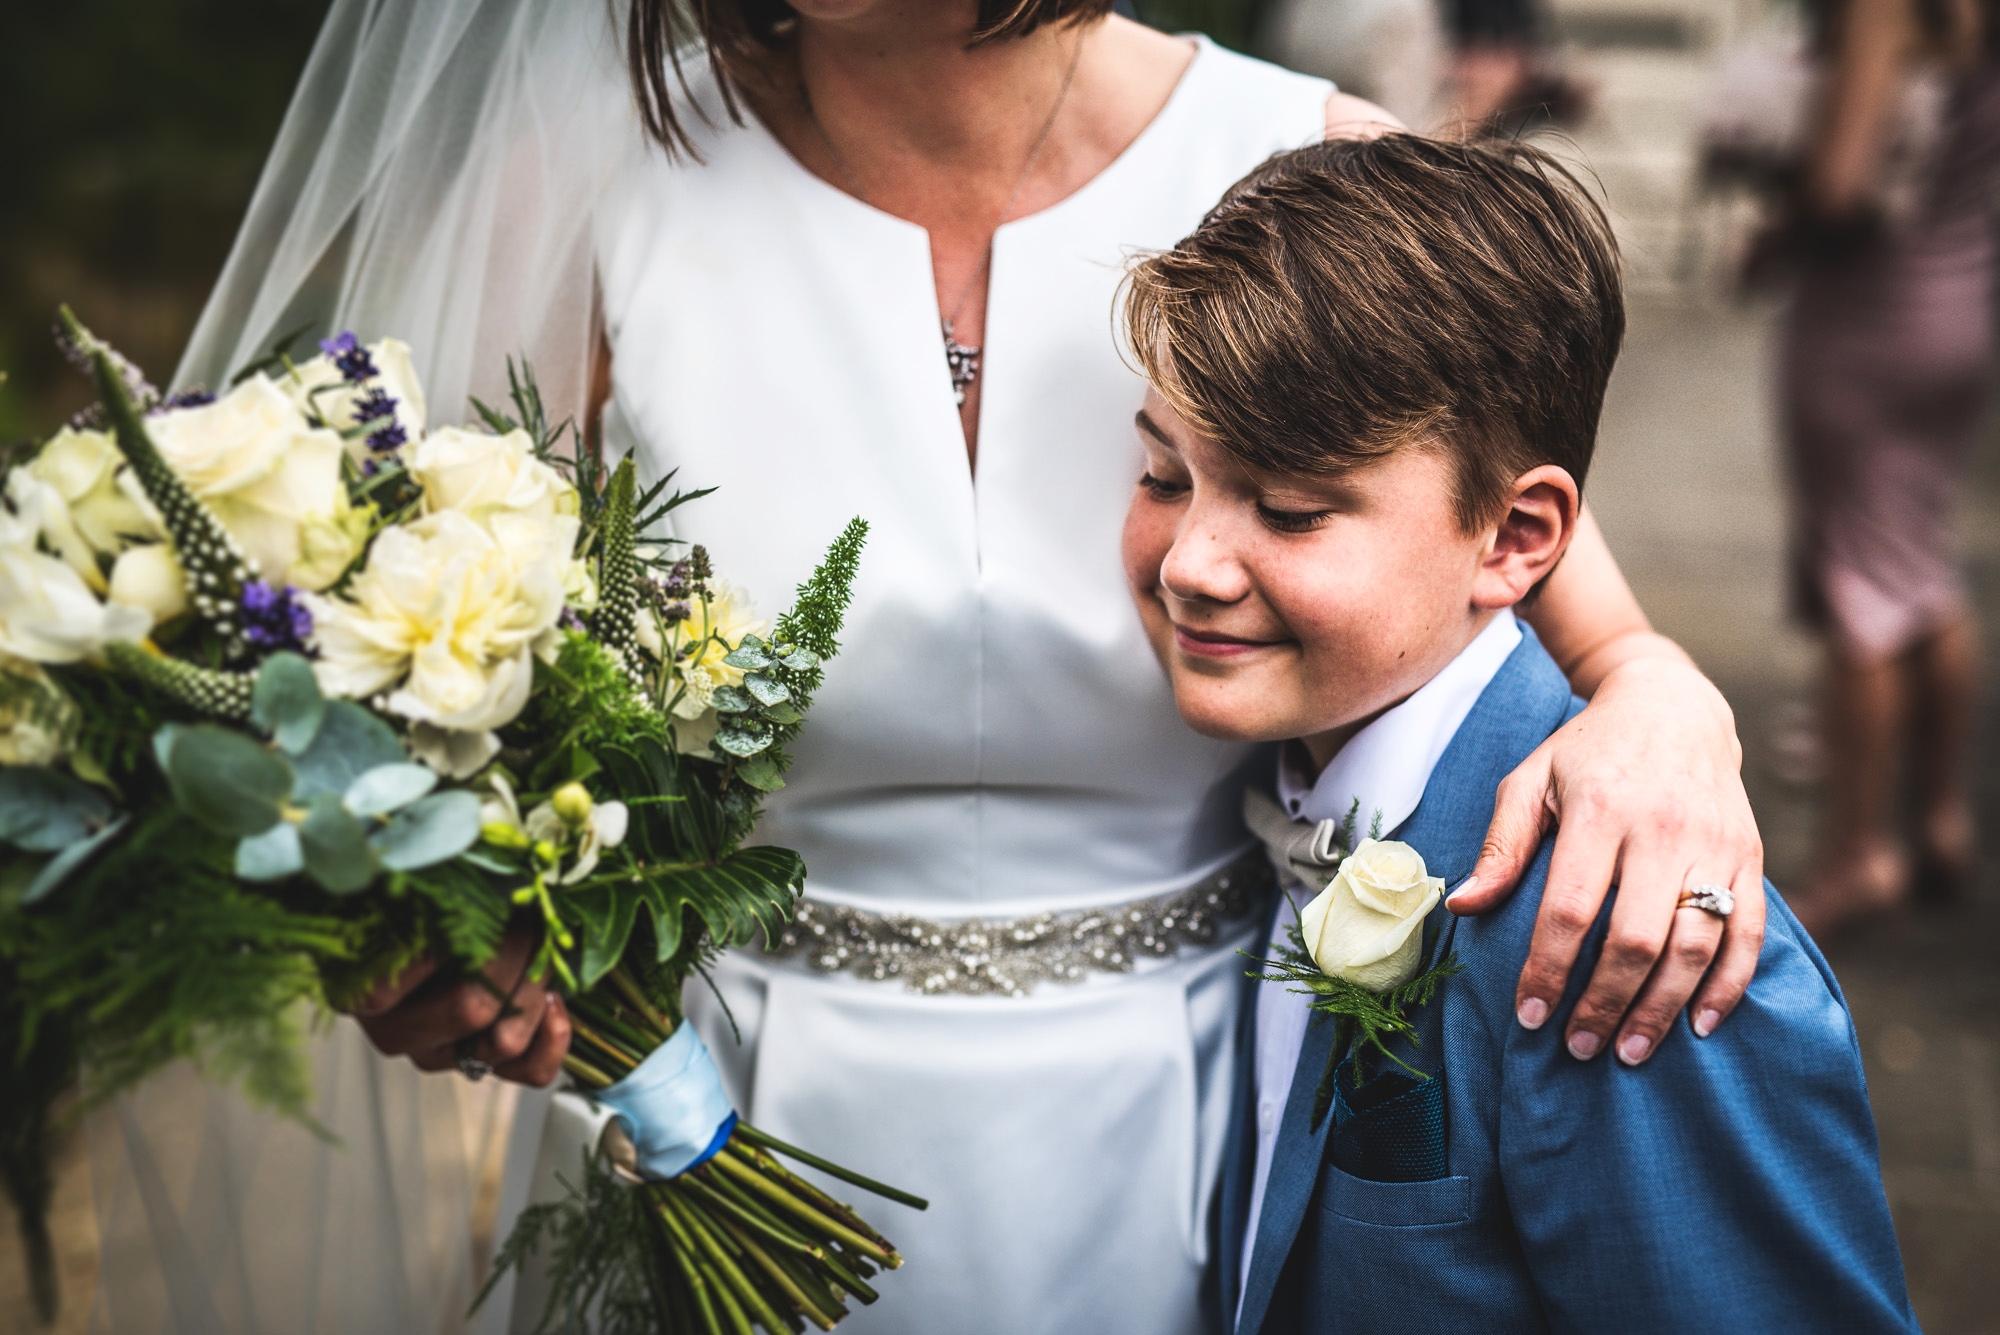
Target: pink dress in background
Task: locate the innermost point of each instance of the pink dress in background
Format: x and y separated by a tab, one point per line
1887	364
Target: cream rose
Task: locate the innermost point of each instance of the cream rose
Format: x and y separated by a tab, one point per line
101	508
487	476
318	388
269	476
442	614
149	577
1367	925
47	613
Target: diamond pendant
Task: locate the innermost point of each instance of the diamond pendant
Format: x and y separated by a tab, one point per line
963	361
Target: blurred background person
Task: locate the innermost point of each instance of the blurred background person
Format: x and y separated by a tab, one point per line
1886	369
1450	66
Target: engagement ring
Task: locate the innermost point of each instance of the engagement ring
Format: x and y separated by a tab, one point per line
1717	899
469	1066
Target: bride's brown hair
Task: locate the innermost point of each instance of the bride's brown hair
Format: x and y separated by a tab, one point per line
735	34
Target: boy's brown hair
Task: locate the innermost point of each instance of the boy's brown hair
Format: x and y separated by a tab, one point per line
1350	298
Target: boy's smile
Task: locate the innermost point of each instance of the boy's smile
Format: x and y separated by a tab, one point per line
1302	607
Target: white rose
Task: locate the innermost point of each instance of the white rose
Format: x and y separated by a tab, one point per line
266	473
442	613
105	508
488	477
580	586
150	578
47	613
317	388
1367	925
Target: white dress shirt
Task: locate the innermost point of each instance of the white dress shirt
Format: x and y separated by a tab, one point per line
1386	767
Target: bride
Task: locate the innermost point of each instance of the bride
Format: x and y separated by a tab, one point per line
841	257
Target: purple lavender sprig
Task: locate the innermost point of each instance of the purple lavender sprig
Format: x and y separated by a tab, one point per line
350	357
274	619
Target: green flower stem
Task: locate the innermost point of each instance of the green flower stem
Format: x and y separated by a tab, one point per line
582	1070
812	1195
813	1278
735	1281
624	982
756	1137
799	1210
777	1274
614	1025
847	1279
717	1182
682	1249
607	1049
775	1232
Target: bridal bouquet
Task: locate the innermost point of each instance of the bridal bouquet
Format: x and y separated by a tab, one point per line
294	692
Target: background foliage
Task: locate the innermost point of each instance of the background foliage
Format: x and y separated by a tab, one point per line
132	132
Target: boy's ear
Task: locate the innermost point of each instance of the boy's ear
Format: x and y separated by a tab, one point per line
1531	535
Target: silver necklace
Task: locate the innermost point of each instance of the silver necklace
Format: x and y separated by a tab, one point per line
961	359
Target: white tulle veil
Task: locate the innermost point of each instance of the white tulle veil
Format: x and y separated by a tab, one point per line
435	179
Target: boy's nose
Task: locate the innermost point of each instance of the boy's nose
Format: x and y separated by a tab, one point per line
1201	566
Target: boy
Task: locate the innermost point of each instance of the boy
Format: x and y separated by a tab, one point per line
1377	369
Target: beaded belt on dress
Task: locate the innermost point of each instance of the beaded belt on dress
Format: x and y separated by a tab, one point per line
979	956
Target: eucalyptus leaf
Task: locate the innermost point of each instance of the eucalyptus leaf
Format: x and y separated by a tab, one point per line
351	741
487	860
780	714
748	657
388	788
761	772
768	690
60	867
226	781
43	810
438	828
335	845
163	744
799	660
272	855
285	702
732	700
740	742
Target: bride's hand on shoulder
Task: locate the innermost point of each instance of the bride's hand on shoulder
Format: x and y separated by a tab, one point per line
515	1025
1645	790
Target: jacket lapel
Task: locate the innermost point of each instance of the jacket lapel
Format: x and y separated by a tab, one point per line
1294	1172
1526	701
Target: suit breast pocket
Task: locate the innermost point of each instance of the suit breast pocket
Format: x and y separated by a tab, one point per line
1444	1200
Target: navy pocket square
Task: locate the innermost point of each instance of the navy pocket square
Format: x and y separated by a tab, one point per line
1389	1130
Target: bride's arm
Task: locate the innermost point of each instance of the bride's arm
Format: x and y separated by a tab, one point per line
1645	788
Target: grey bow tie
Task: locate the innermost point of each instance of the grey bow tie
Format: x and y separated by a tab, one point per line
1303	851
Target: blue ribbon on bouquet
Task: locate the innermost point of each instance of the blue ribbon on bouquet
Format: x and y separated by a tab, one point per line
673	1107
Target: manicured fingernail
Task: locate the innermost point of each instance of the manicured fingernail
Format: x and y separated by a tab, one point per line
1634	1049
1704	1023
1583	1045
1534	1013
1466	886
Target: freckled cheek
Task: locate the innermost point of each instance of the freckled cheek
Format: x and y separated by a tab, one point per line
1147	537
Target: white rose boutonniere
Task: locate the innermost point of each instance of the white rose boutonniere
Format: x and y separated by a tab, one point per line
1367	925
1358	951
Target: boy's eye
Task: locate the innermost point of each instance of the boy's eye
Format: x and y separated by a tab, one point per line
1159	488
1292	521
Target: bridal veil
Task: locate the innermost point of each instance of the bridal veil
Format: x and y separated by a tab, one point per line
435	178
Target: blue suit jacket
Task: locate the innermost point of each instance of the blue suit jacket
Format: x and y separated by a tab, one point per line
1731	1183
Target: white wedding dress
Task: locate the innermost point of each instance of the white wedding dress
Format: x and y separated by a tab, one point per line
996	738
